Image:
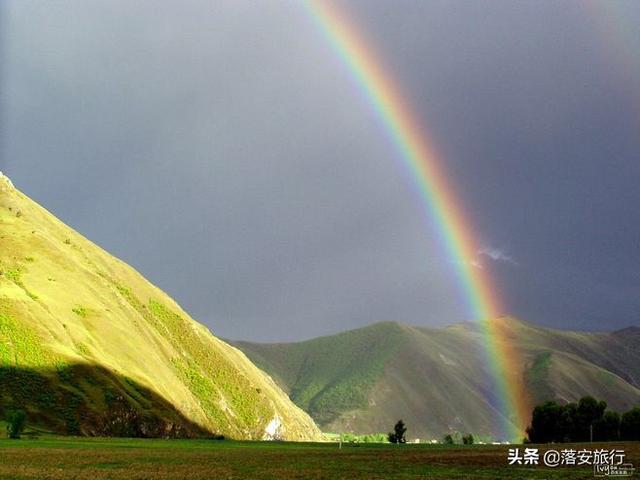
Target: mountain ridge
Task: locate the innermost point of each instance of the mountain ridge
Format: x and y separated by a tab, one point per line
474	325
445	369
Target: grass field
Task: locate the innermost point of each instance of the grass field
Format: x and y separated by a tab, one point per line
95	459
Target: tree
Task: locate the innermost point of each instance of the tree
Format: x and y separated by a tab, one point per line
607	429
397	436
569	416
588	414
547	423
630	425
16	420
467	439
447	439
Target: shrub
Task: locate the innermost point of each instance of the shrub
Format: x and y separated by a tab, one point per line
467	439
80	311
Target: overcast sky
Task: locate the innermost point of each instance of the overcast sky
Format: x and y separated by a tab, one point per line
223	150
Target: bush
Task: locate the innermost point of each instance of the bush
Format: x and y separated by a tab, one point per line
16	420
447	440
375	438
369	438
467	439
80	311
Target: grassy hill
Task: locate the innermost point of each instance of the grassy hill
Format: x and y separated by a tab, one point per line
88	346
363	380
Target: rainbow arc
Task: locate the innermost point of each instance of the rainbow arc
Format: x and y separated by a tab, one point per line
441	204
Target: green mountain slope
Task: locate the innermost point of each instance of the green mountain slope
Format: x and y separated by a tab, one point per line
87	345
363	380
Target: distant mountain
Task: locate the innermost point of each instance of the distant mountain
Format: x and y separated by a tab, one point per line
363	380
88	346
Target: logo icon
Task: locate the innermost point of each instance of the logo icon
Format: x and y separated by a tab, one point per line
607	470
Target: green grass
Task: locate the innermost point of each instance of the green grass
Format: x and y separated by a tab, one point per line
22	346
15	275
101	458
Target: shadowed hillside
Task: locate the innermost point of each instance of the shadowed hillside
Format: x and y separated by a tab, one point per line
64	302
90	400
437	380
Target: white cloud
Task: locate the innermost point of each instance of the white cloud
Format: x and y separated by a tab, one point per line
497	255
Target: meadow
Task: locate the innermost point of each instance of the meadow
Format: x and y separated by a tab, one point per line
101	458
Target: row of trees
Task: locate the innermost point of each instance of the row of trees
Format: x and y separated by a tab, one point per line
586	420
399	431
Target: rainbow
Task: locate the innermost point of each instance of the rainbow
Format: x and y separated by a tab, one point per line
441	204
617	26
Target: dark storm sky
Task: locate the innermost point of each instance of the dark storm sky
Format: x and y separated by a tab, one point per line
223	150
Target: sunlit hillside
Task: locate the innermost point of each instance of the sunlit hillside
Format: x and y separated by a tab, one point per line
88	346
